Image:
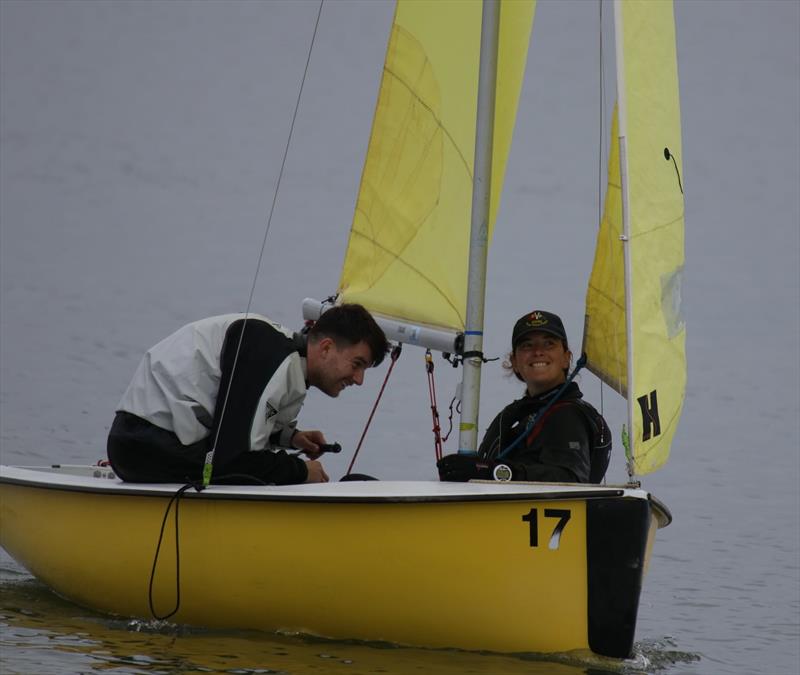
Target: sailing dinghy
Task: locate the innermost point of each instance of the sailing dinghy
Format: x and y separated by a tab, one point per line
500	566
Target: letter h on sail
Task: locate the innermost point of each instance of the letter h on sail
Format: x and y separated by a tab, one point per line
651	424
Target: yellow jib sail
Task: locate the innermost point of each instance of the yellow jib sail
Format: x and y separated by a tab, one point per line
408	248
649	124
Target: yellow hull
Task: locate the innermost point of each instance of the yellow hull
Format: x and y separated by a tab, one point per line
489	567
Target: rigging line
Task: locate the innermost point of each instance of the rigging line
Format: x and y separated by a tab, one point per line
394	356
601	99
437	436
175	499
450	417
209	460
600	116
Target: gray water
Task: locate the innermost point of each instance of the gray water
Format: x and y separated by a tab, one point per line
141	145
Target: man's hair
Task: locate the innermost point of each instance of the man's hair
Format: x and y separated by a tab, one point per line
350	324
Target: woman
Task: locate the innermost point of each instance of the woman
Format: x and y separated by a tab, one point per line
550	434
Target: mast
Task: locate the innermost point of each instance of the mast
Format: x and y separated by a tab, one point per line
626	224
481	193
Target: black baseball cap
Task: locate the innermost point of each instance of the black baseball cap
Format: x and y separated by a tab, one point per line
538	320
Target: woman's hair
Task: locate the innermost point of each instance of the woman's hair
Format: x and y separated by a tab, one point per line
349	324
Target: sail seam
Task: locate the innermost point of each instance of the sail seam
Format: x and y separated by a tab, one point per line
658	227
422	276
435	117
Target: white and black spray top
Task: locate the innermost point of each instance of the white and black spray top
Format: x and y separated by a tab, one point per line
181	382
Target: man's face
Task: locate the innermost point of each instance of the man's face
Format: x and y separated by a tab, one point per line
338	368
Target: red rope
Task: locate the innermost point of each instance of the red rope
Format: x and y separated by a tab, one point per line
395	354
437	436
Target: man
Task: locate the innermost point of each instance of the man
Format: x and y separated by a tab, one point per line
236	384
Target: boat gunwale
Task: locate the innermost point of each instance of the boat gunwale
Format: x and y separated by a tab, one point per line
256	493
662	511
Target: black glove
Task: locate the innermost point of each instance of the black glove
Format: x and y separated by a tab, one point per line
461	467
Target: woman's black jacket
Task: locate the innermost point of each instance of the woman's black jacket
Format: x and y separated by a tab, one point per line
559	446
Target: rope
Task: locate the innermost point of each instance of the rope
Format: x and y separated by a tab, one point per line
209	459
175	499
450	416
395	355
437	436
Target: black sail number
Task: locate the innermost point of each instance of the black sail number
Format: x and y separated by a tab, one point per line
532	518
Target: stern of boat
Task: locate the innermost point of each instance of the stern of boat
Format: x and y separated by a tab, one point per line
620	534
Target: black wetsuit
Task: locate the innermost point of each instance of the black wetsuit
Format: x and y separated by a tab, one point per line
562	445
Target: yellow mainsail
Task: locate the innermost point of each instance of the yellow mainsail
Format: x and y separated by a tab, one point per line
644	186
408	250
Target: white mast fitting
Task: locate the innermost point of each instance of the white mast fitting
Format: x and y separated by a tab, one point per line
428	337
481	193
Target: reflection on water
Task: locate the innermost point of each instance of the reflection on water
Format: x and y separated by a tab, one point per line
41	634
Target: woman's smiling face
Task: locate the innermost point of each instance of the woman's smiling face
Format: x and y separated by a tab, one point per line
541	360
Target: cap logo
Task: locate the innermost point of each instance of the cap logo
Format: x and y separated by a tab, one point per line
537	319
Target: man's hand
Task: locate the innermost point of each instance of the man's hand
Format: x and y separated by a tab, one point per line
316	474
308	442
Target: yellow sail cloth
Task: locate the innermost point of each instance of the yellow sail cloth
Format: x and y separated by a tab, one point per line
649	123
408	249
